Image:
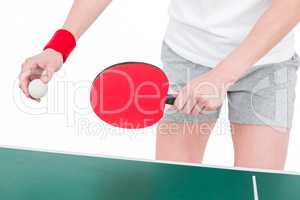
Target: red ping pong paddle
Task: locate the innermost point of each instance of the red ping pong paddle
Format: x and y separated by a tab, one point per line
130	95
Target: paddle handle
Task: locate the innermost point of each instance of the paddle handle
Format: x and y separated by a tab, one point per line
170	99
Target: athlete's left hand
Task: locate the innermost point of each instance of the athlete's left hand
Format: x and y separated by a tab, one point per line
203	94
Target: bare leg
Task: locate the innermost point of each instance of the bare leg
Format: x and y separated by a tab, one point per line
260	146
182	142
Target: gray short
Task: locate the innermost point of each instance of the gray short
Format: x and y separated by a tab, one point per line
265	95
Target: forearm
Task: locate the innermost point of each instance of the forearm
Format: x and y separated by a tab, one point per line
83	13
273	26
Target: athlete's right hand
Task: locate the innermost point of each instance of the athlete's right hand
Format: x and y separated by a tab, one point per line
41	66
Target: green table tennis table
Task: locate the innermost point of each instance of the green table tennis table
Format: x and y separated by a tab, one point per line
40	175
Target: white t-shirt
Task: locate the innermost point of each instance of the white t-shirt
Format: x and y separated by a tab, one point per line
206	31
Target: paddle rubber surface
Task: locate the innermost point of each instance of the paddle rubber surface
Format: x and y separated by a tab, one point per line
130	95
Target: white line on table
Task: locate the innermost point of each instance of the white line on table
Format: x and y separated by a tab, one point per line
255	188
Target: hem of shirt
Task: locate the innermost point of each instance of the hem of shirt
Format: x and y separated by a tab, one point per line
274	57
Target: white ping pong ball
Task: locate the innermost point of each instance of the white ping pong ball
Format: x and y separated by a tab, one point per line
37	89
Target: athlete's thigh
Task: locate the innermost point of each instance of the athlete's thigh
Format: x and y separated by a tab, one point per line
182	142
182	137
258	146
261	106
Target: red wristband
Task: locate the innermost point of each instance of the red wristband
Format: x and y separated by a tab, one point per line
63	41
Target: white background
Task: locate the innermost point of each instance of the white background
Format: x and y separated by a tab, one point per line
129	30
